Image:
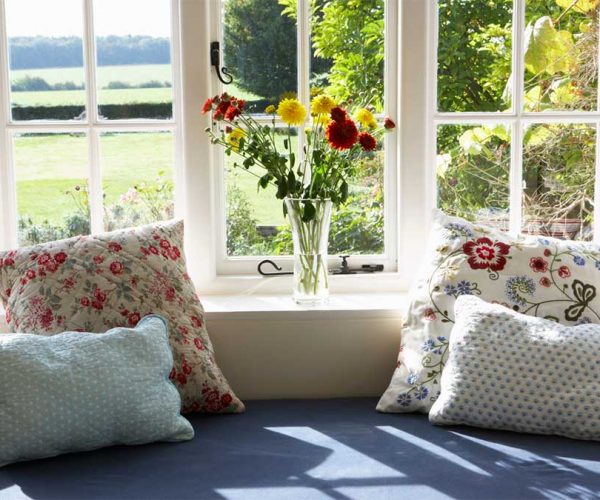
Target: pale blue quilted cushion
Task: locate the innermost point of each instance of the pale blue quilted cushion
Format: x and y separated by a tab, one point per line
82	391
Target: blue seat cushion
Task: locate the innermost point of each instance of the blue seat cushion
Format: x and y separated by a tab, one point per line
320	449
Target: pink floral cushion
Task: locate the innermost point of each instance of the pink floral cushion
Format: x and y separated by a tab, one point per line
95	283
543	277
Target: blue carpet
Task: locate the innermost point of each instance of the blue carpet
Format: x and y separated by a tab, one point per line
340	449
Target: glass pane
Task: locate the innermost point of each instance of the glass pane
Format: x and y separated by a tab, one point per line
472	171
474	55
348	51
134	74
558	180
254	217
46	59
137	169
52	187
260	50
561	55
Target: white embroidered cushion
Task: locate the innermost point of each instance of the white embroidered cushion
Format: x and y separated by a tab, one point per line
510	371
95	283
542	277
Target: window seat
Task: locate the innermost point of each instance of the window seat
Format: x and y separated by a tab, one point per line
319	449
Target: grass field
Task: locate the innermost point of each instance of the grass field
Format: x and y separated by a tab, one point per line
48	166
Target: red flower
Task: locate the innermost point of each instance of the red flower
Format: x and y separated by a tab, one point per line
113	246
96	304
174	253
538	264
44	259
547	252
85	302
207	105
199	344
153	249
117	267
367	141
226	400
486	254
545	282
185	368
181	378
100	295
133	319
429	314
196	321
60	257
388	123
232	113
338	115
170	294
98	259
564	272
30	274
241	104
164	244
341	135
51	266
8	261
184	330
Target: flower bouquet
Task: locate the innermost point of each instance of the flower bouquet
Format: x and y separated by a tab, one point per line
308	186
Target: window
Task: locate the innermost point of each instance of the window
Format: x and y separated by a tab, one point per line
515	114
89	116
275	48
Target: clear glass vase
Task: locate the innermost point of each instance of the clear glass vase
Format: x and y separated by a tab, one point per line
311	279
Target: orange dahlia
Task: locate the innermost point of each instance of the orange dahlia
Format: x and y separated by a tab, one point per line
367	141
341	135
207	105
338	114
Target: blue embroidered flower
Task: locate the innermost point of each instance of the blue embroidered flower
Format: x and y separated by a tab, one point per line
579	260
464	287
583	321
404	399
428	345
458	230
597	264
517	287
412	379
441	339
450	290
421	393
544	241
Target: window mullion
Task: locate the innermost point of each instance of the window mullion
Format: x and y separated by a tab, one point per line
8	202
95	174
516	167
303	64
596	221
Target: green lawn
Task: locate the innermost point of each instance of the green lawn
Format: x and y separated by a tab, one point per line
49	166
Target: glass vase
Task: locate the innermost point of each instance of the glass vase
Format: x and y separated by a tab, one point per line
311	237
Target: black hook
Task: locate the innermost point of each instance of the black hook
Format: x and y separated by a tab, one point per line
267	261
215	60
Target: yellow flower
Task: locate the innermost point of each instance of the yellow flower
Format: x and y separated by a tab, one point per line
365	118
322	120
322	105
270	109
315	91
288	94
234	137
291	111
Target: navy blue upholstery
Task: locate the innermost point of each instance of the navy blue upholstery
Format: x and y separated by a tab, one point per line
337	449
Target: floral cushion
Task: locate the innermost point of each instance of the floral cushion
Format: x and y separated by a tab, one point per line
544	277
95	283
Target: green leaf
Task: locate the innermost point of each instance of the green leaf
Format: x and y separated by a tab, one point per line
281	189
582	6
291	181
548	50
344	191
309	211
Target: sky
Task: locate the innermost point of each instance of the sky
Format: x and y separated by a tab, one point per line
64	17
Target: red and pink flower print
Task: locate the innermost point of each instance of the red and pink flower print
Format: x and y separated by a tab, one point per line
538	264
484	253
116	267
564	272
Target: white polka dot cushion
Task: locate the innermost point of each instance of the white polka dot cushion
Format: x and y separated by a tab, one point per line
94	283
509	371
538	276
82	391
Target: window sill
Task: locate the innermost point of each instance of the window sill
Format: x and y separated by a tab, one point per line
282	307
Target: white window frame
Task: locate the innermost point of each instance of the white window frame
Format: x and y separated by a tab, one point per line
227	265
92	126
516	118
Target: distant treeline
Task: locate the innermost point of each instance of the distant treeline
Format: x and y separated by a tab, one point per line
67	52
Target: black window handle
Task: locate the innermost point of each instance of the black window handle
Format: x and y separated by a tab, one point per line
215	60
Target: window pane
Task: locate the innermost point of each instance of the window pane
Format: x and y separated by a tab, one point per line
46	59
134	74
472	171
558	180
254	218
474	55
561	55
137	169
52	193
260	51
